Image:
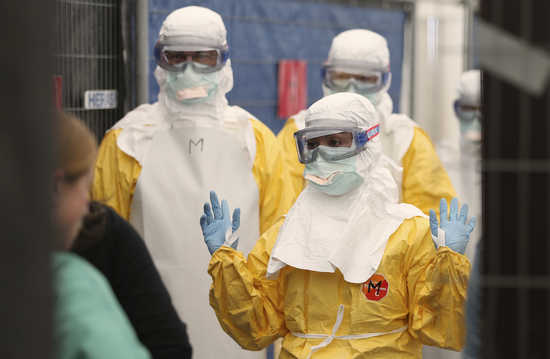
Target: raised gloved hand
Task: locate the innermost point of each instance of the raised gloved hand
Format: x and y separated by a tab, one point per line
215	227
456	232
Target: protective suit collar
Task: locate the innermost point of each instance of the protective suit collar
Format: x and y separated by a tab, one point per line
323	233
140	125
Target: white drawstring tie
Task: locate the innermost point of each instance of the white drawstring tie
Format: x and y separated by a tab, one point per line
329	338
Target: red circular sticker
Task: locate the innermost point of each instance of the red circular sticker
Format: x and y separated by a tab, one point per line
376	287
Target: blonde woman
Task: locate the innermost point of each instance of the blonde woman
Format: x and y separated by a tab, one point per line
88	321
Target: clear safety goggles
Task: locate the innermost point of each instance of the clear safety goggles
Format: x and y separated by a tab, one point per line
466	112
353	139
177	57
342	77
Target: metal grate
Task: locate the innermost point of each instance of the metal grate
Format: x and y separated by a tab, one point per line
88	56
516	190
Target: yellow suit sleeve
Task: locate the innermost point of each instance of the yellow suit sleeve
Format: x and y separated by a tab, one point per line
425	180
249	307
115	175
295	169
437	282
276	195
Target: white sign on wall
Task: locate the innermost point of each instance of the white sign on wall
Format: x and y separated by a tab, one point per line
100	99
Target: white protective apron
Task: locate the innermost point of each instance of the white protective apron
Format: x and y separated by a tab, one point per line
183	164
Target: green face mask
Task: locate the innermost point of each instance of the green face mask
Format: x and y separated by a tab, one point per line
334	178
470	125
190	87
374	98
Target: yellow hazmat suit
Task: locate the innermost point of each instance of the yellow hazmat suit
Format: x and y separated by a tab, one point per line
417	291
353	275
116	175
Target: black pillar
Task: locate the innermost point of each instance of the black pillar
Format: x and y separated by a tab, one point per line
26	101
516	196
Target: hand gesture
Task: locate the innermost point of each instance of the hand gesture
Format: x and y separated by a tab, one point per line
215	224
456	228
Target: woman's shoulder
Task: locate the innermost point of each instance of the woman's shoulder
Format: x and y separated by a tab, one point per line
86	304
73	274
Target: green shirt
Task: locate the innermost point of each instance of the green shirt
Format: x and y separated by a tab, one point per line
89	322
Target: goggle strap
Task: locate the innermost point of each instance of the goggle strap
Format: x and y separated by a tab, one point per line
224	55
372	132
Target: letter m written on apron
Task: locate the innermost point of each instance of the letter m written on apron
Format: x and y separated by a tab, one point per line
193	145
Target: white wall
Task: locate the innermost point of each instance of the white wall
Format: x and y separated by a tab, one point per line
439	53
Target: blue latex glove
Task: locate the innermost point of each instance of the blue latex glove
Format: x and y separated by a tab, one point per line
216	222
457	231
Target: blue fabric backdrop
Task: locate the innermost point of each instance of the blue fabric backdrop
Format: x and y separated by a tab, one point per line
261	32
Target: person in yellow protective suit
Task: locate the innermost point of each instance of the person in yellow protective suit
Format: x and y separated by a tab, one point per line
359	61
350	272
155	163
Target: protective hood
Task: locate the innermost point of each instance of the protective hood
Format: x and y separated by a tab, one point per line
469	88
370	47
384	109
324	233
358	112
397	131
358	50
196	28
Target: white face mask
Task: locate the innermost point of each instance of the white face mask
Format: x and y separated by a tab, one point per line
190	87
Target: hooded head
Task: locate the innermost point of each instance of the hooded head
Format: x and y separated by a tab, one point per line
468	105
325	229
360	52
469	88
340	164
191	88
